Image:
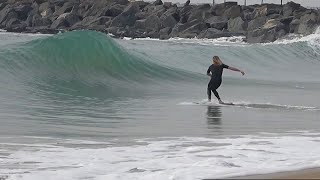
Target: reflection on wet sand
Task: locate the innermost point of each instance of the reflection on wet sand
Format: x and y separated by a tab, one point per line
214	117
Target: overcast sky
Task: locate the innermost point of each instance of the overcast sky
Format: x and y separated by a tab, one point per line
309	3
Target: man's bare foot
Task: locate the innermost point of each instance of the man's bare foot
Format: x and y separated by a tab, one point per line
220	102
209	100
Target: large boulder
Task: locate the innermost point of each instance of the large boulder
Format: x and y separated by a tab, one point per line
114	10
289	8
266	10
15	25
123	21
168	21
173	11
46	9
151	23
213	33
197	14
22	10
233	12
38	21
293	27
65	20
6	14
184	13
164	33
217	22
92	22
256	23
66	8
131	9
272	30
158	2
237	25
308	24
179	27
219	9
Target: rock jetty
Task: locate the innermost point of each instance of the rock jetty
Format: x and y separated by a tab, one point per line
163	20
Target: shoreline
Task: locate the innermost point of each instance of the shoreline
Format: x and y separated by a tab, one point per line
259	23
309	173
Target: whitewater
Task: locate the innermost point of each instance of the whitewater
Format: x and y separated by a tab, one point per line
82	105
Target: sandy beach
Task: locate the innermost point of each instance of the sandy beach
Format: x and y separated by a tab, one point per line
313	173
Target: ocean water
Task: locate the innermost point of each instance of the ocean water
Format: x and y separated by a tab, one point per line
81	105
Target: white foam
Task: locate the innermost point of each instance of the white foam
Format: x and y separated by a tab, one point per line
223	41
182	158
246	104
294	38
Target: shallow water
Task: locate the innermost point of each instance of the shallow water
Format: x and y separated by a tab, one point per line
81	105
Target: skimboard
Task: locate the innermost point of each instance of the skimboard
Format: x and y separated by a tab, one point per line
229	103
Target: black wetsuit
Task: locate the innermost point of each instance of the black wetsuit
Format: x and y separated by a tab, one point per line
216	79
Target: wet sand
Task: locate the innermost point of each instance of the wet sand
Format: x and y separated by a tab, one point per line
299	174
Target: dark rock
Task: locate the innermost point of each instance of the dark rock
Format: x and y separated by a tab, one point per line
123	21
164	33
233	12
2	5
294	26
71	19
167	5
274	16
58	2
121	2
114	10
286	20
187	3
97	9
151	23
38	21
237	25
91	22
158	2
153	34
256	23
218	9
197	14
131	9
156	10
299	12
66	8
12	22
264	35
229	4
169	21
212	33
193	31
142	15
217	22
43	30
59	23
16	26
173	11
270	31
308	24
46	9
179	27
289	8
22	11
247	15
6	14
140	24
